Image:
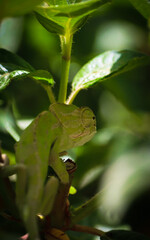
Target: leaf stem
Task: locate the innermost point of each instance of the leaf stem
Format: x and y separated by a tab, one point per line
49	93
66	46
72	96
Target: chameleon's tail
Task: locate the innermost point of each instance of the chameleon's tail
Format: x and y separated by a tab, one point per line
30	221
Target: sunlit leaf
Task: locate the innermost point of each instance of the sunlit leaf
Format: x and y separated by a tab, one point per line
42	76
143	6
124	235
107	65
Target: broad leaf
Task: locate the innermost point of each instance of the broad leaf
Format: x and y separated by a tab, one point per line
16	7
50	25
9	61
71	10
40	75
107	65
124	235
13	67
143	6
62	14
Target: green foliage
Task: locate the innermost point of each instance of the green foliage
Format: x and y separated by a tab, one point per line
13	67
55	16
16	7
143	6
107	65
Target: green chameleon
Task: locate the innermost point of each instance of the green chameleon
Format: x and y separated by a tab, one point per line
52	132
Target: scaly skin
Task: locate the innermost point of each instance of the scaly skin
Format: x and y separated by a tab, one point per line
59	129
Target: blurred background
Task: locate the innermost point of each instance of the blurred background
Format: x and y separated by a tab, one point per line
118	157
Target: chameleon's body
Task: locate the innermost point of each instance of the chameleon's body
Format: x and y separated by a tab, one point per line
54	131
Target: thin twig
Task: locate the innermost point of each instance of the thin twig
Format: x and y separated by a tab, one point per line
87	208
87	229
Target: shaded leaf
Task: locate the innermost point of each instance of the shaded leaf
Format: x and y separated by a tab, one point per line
9	61
19	69
124	235
66	14
143	6
50	25
71	10
107	65
78	23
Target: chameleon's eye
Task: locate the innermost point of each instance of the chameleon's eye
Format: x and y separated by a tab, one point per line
88	118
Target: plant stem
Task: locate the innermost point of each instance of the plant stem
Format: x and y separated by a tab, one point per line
66	45
50	93
87	229
72	96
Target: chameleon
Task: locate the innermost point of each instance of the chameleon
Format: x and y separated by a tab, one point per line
56	130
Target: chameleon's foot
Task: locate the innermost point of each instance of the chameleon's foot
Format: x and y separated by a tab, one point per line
4	160
25	237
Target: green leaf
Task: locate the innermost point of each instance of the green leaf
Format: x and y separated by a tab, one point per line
78	23
50	25
71	10
9	61
107	65
61	13
13	67
16	7
124	235
143	6
42	76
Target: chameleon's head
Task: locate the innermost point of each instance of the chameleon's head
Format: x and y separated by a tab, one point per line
79	124
88	124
